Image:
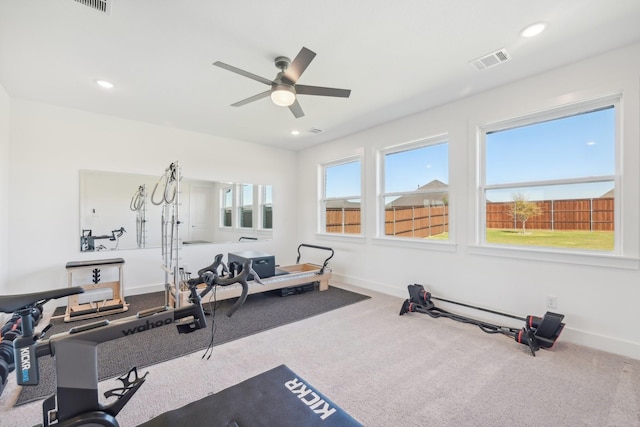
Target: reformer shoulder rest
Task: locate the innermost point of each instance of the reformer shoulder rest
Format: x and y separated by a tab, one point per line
12	303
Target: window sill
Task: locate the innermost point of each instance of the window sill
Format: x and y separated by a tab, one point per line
578	258
351	238
441	246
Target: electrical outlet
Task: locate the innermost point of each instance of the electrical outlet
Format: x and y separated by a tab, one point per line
552	301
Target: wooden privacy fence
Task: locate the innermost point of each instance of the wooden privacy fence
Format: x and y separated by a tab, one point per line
343	220
407	221
424	221
416	221
574	214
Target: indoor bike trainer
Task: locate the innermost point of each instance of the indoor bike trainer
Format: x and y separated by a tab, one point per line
537	333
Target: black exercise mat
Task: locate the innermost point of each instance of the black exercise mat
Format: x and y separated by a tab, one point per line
278	397
259	313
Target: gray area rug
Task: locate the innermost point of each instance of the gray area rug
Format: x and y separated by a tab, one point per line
259	313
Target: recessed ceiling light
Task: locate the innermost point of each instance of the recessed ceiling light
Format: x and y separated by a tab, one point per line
105	84
295	132
533	29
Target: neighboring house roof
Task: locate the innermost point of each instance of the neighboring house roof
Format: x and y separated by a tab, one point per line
608	194
428	199
342	204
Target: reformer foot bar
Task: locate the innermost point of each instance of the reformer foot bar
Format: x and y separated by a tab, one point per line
537	333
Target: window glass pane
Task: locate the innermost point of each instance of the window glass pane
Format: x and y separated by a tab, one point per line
417	215
414	169
246	206
342	180
550	216
227	201
569	147
343	216
267	207
575	211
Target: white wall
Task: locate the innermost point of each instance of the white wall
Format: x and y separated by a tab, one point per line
598	296
49	145
4	185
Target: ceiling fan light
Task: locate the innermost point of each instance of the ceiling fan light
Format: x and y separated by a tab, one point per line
533	30
283	95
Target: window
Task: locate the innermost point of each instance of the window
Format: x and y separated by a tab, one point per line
226	203
341	198
415	190
550	180
245	206
266	206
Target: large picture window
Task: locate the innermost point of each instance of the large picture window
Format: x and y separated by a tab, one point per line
550	179
340	203
415	190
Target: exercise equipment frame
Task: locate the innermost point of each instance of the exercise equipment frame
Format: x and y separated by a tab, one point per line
537	333
76	400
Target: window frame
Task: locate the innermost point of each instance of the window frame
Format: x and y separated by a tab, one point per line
242	204
263	203
382	194
224	207
322	199
554	113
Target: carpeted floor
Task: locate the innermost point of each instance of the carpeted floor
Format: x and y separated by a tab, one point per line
389	370
260	312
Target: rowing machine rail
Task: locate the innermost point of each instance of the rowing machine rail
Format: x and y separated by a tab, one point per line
537	332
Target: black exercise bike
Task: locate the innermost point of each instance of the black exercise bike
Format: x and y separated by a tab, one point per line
76	400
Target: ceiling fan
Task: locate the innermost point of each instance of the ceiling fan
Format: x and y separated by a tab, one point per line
284	87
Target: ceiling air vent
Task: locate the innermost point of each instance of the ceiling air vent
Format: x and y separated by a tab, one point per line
315	130
490	60
103	6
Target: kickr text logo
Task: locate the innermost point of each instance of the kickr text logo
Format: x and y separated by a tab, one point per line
309	398
25	363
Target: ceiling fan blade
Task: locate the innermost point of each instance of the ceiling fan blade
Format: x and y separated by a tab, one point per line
322	91
252	99
243	73
296	109
299	64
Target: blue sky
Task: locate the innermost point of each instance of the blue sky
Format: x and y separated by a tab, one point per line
408	170
573	147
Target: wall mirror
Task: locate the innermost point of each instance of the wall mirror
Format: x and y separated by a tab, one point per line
117	211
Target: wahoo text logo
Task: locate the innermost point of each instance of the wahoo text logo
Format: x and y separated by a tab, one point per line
309	398
25	363
148	325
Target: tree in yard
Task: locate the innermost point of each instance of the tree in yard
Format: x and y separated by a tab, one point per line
522	210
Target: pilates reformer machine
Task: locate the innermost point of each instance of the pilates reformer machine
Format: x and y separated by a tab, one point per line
287	280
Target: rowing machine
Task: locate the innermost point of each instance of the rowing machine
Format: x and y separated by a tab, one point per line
537	332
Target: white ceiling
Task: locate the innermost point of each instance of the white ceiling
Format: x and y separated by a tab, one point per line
398	57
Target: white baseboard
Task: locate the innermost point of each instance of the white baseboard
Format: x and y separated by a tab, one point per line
374	286
572	335
601	342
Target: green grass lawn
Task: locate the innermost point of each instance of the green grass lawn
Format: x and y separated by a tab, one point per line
594	240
